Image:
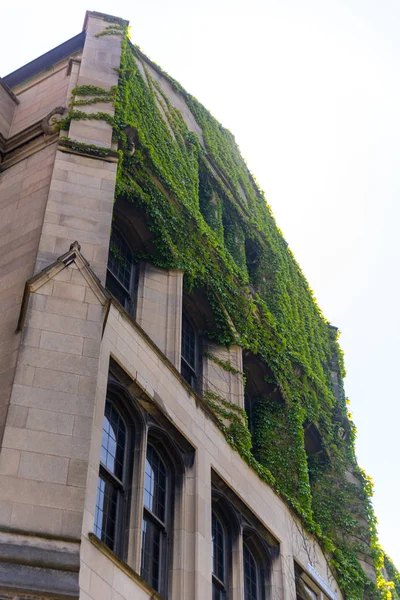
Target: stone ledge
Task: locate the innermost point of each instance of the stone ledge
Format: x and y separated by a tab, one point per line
40	581
37	566
124	567
72	147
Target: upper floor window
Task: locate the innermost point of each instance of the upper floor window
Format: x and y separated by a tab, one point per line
111	481
120	270
307	588
190	352
154	563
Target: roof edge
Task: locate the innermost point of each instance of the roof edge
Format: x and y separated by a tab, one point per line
46	60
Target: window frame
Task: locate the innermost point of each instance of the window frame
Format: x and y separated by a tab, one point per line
165	526
260	554
194	368
121	485
242	528
145	429
221	584
130	293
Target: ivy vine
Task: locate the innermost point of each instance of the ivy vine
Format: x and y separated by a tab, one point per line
209	218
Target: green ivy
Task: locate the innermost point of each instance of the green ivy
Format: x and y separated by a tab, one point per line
91	149
115	29
224	364
209	218
79	115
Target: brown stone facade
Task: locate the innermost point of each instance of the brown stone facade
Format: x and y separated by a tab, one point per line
68	347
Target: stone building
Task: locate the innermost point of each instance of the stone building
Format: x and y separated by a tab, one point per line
117	480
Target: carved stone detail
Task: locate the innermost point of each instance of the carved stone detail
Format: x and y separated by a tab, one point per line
133	138
49	124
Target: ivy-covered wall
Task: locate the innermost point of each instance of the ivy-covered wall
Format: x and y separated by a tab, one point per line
209	218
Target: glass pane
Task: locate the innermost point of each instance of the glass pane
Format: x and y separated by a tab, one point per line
118	291
250	575
155	484
188	374
188	342
106	512
113	441
151	554
218	549
120	259
218	593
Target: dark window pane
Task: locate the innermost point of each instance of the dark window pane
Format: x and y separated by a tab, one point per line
113	441
188	342
120	259
189	374
155	484
118	291
218	549
251	589
152	539
106	512
218	593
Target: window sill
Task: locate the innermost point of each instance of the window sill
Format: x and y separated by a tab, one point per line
124	567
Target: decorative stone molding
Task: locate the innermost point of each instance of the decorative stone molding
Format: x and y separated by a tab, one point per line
49	124
28	141
133	139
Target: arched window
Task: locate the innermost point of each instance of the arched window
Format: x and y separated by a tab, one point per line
120	271
219	559
155	526
254	584
189	352
111	481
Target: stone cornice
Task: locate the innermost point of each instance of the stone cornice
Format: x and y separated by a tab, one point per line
28	141
9	91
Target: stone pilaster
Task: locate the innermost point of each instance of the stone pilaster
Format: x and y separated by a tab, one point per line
159	308
81	195
223	372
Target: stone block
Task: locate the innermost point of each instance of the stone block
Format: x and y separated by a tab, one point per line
90	297
24	374
17	416
68	325
5	513
56	380
9	461
36	519
61	342
82	427
42	467
67	290
31	337
87	386
91	348
46	443
95	312
53	422
26	396
71	524
84	577
66	307
77	473
99	589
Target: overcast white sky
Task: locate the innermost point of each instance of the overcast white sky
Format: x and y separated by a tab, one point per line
311	91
